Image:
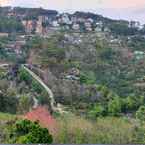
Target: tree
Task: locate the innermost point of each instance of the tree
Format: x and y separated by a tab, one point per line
132	102
27	132
24	76
25	102
115	106
140	114
88	78
8	103
97	111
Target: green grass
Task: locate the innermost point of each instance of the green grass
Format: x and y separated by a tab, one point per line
6	116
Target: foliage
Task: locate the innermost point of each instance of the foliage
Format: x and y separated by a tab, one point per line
88	78
122	29
8	103
25	103
140	114
25	132
115	106
109	130
24	76
36	87
97	111
10	25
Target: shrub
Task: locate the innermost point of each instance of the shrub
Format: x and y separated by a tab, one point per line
115	106
140	114
24	76
98	110
27	132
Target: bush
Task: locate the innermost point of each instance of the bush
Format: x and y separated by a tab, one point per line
36	87
24	76
27	132
8	104
88	78
115	106
25	103
98	110
140	114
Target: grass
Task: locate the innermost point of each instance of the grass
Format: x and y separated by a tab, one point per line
6	116
110	130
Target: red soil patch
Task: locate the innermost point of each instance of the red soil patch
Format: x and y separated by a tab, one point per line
42	115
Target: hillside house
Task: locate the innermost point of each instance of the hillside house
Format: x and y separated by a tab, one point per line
55	23
139	55
76	26
64	19
4	34
29	25
88	26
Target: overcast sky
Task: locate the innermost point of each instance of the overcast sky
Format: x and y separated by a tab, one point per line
127	9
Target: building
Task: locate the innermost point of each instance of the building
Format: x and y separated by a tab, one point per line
55	23
39	27
29	26
65	19
88	26
4	34
76	26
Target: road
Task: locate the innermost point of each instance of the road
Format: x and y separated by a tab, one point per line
50	93
55	107
4	65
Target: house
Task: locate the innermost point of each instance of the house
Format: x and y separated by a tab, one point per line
76	26
139	55
90	20
65	19
98	26
39	27
55	23
106	29
88	26
4	34
134	24
98	29
29	25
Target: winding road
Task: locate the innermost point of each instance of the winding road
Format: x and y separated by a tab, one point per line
50	93
55	107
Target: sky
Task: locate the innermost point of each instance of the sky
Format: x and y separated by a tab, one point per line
117	9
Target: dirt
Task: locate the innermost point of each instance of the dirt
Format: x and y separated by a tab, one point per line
45	119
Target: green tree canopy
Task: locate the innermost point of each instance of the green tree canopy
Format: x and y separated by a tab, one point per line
140	114
27	132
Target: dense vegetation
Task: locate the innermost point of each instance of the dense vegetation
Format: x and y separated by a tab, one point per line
10	25
27	132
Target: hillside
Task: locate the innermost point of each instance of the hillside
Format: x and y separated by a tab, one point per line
64	68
